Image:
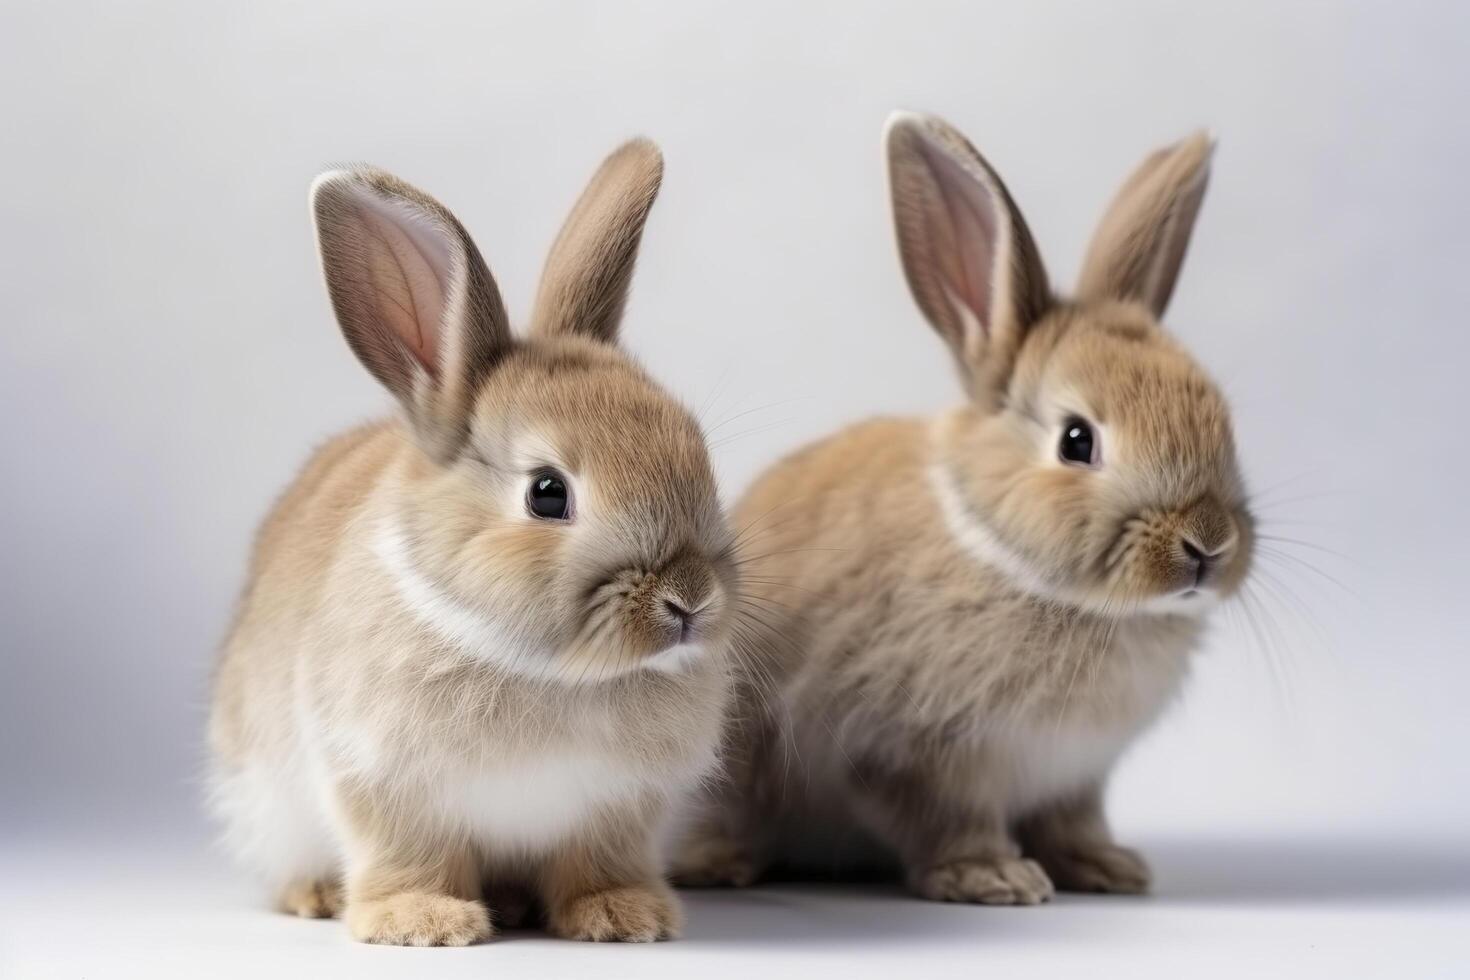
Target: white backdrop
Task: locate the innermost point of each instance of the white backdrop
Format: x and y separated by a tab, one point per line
169	357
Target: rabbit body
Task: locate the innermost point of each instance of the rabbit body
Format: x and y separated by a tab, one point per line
479	657
962	622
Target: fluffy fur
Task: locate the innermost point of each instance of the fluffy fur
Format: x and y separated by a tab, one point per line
959	631
434	706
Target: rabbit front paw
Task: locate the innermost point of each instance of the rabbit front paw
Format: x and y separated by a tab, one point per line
986	881
419	919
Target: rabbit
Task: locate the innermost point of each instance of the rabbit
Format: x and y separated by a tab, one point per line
965	620
481	652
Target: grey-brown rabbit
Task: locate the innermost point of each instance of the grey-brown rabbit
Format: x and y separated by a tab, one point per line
965	620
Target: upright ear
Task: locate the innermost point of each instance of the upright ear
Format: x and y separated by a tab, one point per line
1138	248
585	283
413	296
970	260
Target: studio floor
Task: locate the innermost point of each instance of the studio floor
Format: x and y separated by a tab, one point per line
1226	907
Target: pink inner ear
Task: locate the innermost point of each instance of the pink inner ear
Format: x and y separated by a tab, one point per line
409	263
968	264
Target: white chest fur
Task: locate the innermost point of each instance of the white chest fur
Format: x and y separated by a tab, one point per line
530	805
1051	755
1044	763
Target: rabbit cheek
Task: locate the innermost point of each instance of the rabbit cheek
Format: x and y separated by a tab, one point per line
1237	564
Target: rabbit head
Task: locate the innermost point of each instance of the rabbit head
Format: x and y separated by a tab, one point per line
559	514
1095	462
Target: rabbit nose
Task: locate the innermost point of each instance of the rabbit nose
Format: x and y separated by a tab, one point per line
683	618
1204	561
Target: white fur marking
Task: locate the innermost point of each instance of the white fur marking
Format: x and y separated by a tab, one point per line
675	659
980	541
535	803
469	629
1049	761
271	825
1191	602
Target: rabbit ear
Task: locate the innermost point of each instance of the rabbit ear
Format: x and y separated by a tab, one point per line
585	283
1140	244
968	255
413	297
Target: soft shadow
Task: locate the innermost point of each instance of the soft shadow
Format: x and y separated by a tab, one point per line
1264	872
788	913
1227	873
827	914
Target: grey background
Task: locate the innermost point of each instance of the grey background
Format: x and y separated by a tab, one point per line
168	356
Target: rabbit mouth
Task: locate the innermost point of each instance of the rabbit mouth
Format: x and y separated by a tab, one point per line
1185	602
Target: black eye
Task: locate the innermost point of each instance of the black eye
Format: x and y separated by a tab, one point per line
547	496
1079	445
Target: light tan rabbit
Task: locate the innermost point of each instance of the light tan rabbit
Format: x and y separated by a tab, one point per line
967	619
481	651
